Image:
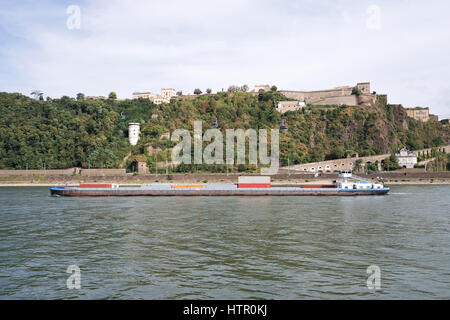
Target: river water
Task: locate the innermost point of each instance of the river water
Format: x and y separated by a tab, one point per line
225	247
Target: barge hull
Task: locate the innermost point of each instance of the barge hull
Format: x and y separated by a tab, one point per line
240	192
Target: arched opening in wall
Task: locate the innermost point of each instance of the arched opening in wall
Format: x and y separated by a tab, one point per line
132	166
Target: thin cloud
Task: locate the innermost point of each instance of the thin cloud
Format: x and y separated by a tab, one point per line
307	45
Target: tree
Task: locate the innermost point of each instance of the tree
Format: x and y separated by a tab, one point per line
372	167
80	96
233	89
391	163
197	91
112	96
179	93
273	88
336	153
208	91
244	88
356	91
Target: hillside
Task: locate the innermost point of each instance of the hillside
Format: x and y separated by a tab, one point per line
66	132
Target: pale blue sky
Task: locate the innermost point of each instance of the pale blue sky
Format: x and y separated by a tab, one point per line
300	45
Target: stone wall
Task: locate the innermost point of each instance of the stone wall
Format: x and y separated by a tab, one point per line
39	172
421	114
339	96
102	172
64	172
427	151
347	100
350	163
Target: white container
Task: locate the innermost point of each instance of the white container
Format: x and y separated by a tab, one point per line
254	180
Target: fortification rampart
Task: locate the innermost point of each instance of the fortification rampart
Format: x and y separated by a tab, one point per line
350	163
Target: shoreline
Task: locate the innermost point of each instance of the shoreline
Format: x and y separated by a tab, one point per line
141	182
389	178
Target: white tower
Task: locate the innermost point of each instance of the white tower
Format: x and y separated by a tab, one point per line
133	132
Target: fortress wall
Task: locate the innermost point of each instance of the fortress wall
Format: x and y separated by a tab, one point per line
445	149
336	165
348	100
297	95
325	166
316	95
367	100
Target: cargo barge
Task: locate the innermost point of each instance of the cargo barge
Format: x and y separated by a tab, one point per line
247	186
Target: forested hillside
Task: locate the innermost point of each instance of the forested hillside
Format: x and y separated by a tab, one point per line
68	132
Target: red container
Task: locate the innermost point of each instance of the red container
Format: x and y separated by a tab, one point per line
254	185
318	186
95	185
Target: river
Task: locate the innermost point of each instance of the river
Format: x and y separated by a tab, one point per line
225	247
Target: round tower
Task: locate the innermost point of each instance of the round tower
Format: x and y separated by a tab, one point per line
133	132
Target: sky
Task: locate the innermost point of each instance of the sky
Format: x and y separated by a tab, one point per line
95	47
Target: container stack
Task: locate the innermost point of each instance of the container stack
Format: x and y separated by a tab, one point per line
253	182
99	185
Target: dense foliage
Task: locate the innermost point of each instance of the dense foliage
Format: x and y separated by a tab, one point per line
67	132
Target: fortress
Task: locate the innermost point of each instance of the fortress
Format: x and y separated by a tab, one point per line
348	95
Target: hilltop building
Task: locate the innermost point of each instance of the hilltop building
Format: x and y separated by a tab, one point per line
164	97
418	113
133	132
284	106
406	158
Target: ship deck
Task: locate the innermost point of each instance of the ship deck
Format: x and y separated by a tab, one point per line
209	190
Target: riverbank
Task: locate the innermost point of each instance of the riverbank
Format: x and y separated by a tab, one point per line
279	179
